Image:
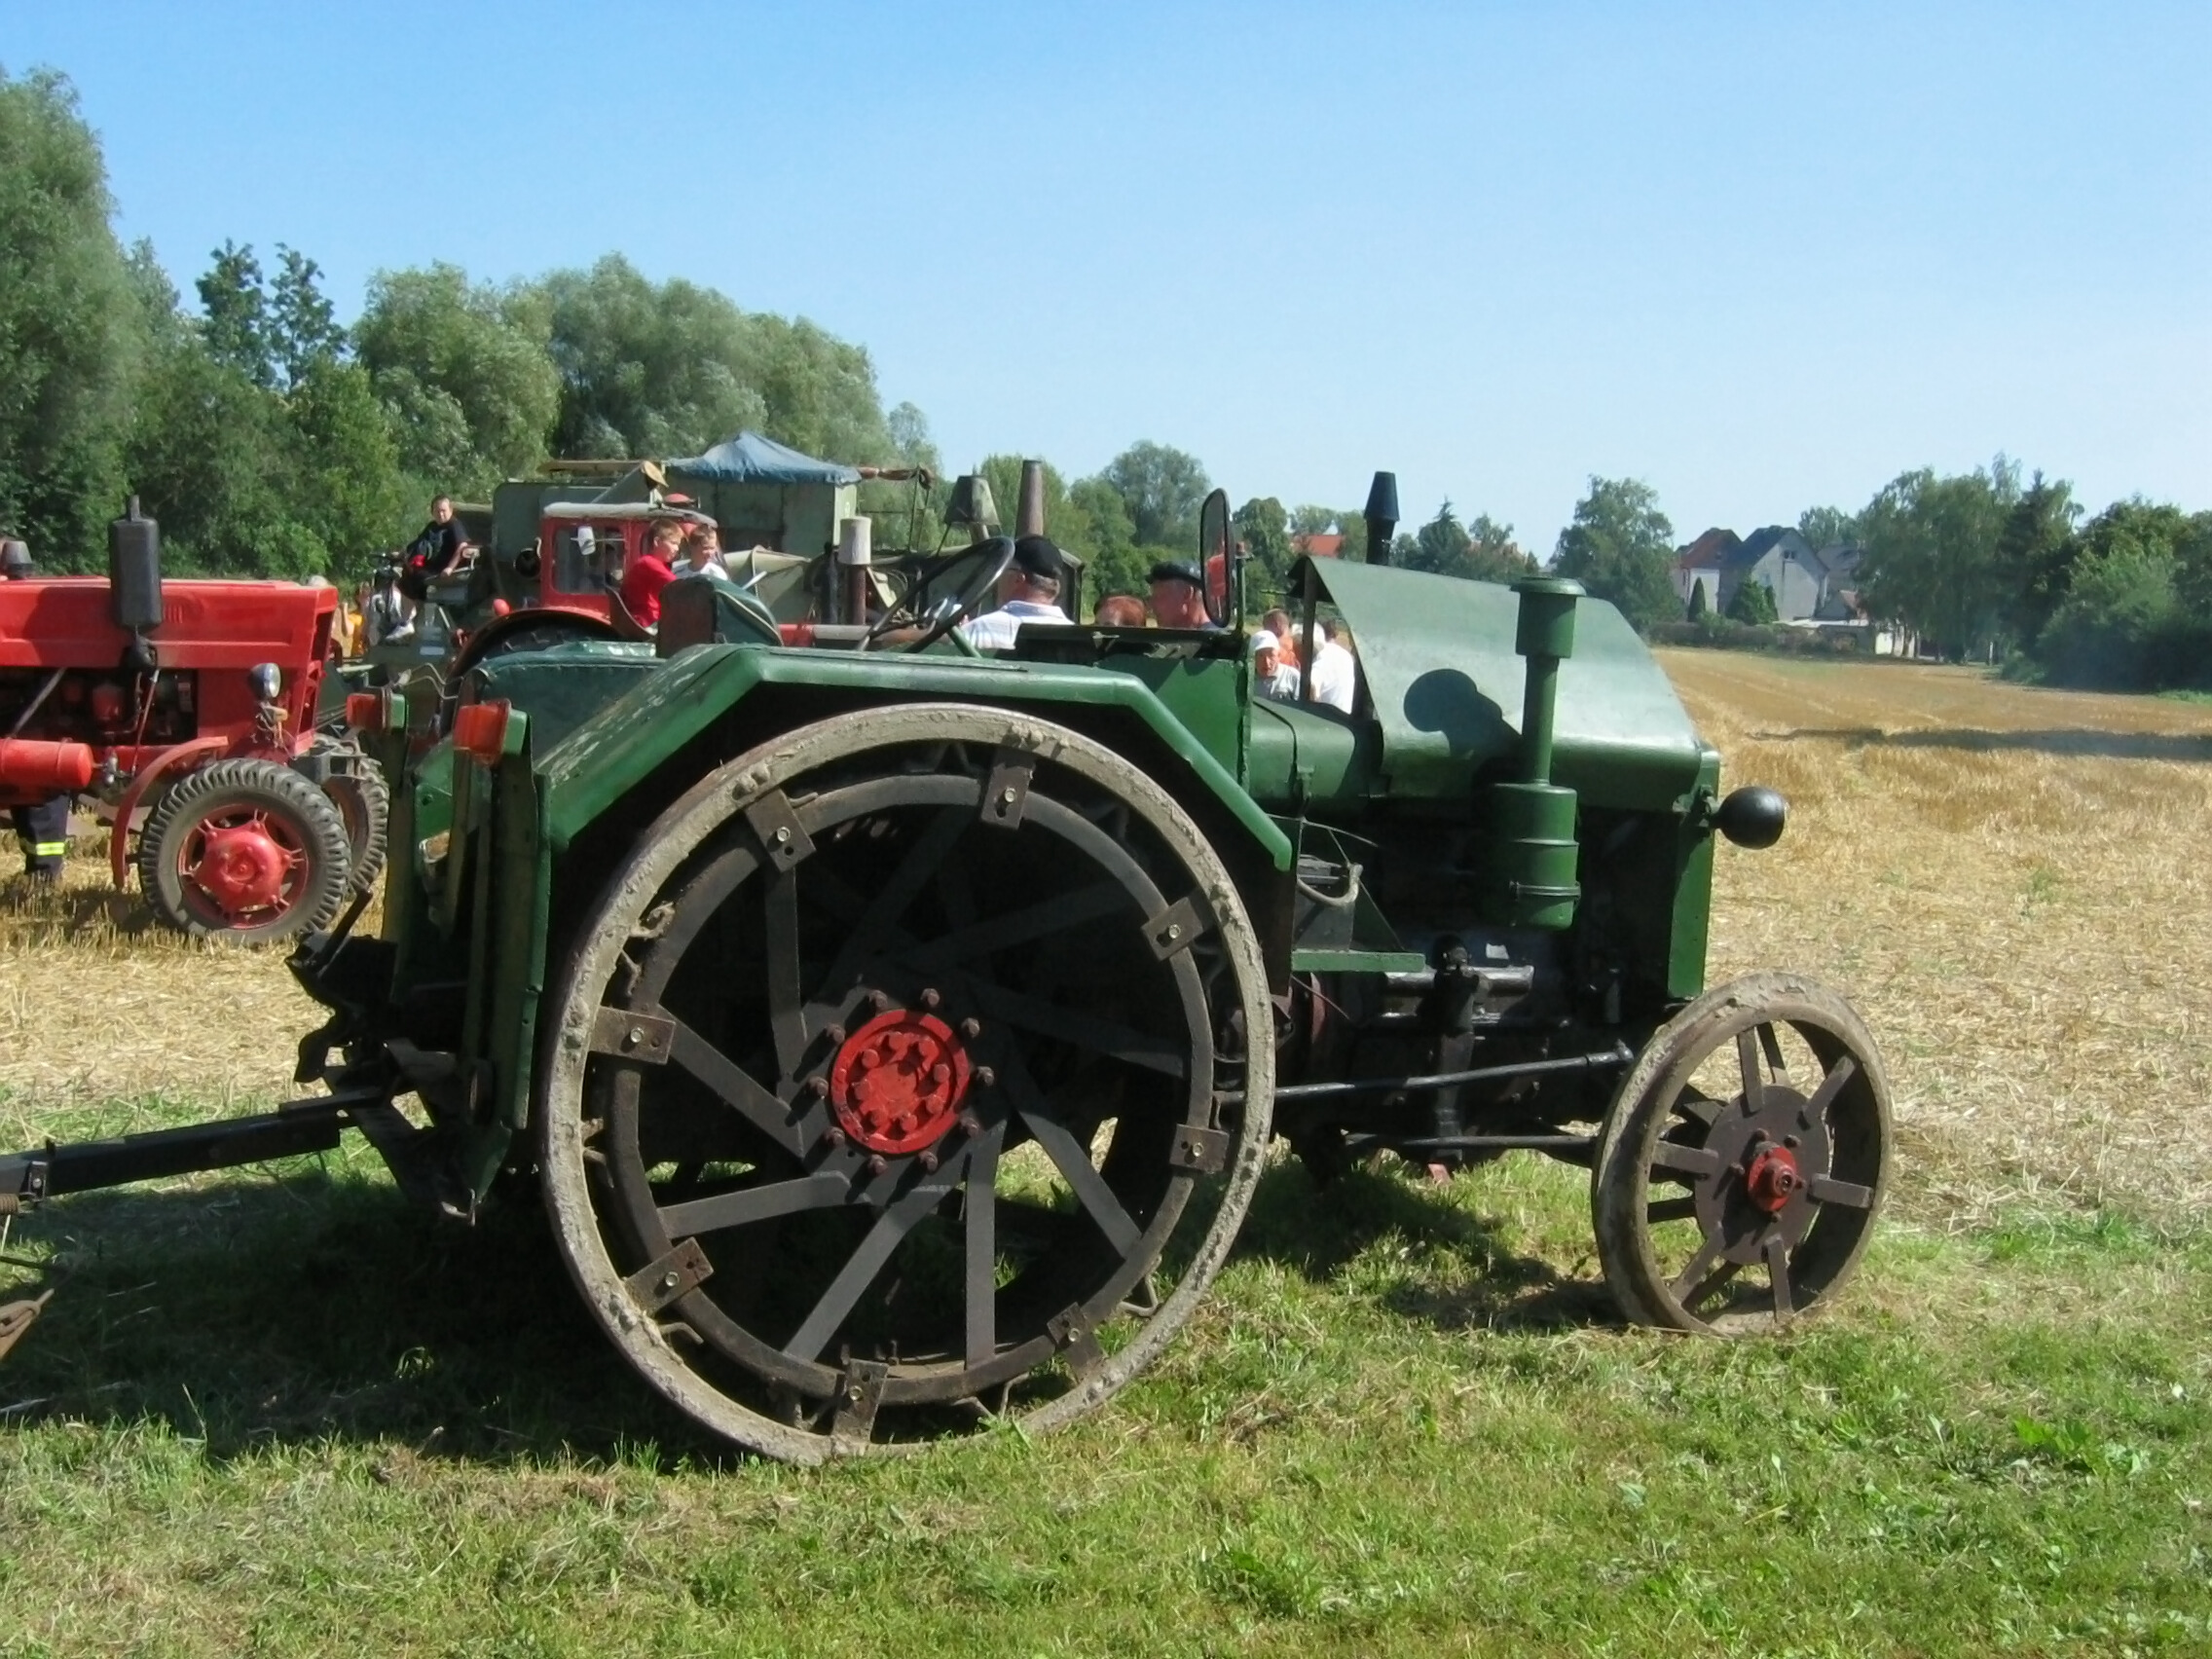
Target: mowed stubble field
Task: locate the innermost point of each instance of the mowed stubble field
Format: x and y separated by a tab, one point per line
274	1411
2011	884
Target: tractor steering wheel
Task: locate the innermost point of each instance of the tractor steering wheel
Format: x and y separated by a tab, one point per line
960	581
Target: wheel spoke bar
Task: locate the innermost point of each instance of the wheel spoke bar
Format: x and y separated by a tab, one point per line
1052	915
1828	1190
860	1270
1684	1159
739	1090
1085	1031
980	1247
749	1204
1605	1059
1072	1159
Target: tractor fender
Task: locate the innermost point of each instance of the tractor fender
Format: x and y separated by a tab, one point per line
142	780
689	716
487	640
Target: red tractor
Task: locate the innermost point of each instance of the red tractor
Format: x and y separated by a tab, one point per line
187	708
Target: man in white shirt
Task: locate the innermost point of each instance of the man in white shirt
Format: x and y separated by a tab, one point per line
1029	592
1336	672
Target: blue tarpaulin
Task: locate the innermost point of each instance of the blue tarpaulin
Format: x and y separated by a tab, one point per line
750	458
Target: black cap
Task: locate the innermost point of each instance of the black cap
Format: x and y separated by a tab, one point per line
1035	556
14	555
1171	570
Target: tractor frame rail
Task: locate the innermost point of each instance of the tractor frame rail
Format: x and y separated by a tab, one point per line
58	1168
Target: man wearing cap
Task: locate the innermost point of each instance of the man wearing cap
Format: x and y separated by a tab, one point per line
1029	592
1176	590
1272	677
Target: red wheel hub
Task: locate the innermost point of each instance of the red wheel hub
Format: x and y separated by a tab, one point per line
1772	1179
898	1081
241	867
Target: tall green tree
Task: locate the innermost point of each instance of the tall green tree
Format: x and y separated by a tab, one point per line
233	303
669	369
1493	555
1930	555
1621	547
1112	563
1828	527
2122	621
302	329
1264	527
649	370
463	371
2035	554
70	334
1439	546
1162	489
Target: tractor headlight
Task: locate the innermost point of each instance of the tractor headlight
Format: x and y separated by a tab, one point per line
266	681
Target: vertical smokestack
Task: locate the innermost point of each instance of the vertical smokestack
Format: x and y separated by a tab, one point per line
1029	514
1381	517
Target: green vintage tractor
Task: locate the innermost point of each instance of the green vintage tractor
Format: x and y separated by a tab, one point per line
897	1035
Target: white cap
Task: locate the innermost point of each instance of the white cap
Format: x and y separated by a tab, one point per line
1264	639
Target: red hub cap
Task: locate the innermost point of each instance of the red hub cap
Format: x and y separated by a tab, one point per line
241	867
898	1081
1773	1179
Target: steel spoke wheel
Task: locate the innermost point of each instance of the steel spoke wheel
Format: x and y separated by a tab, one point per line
1743	1159
245	850
882	1098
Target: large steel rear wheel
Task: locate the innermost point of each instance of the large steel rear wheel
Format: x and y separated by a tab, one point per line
1753	1133
882	1089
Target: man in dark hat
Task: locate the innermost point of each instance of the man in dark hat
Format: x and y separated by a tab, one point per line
1177	600
1029	592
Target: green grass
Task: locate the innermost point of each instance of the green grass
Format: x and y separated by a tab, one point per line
278	1413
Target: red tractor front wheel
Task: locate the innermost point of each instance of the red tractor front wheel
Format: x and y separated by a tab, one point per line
245	850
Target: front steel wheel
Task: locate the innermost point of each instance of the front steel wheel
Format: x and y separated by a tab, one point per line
1753	1133
885	1082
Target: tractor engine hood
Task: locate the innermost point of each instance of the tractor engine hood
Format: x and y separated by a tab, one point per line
1437	653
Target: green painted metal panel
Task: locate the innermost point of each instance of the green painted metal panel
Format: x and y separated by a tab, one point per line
1205	695
619	748
1693	888
1311	759
1446	685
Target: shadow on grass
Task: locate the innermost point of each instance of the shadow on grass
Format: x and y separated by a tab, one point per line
1466	1275
320	1308
65	911
2101	745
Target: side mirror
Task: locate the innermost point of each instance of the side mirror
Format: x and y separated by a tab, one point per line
1752	816
1215	561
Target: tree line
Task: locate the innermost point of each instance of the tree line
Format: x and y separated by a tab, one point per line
270	440
1987	566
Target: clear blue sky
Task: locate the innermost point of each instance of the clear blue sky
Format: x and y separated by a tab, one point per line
1759	256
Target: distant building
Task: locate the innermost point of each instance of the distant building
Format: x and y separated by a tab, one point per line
1320	544
1805	584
